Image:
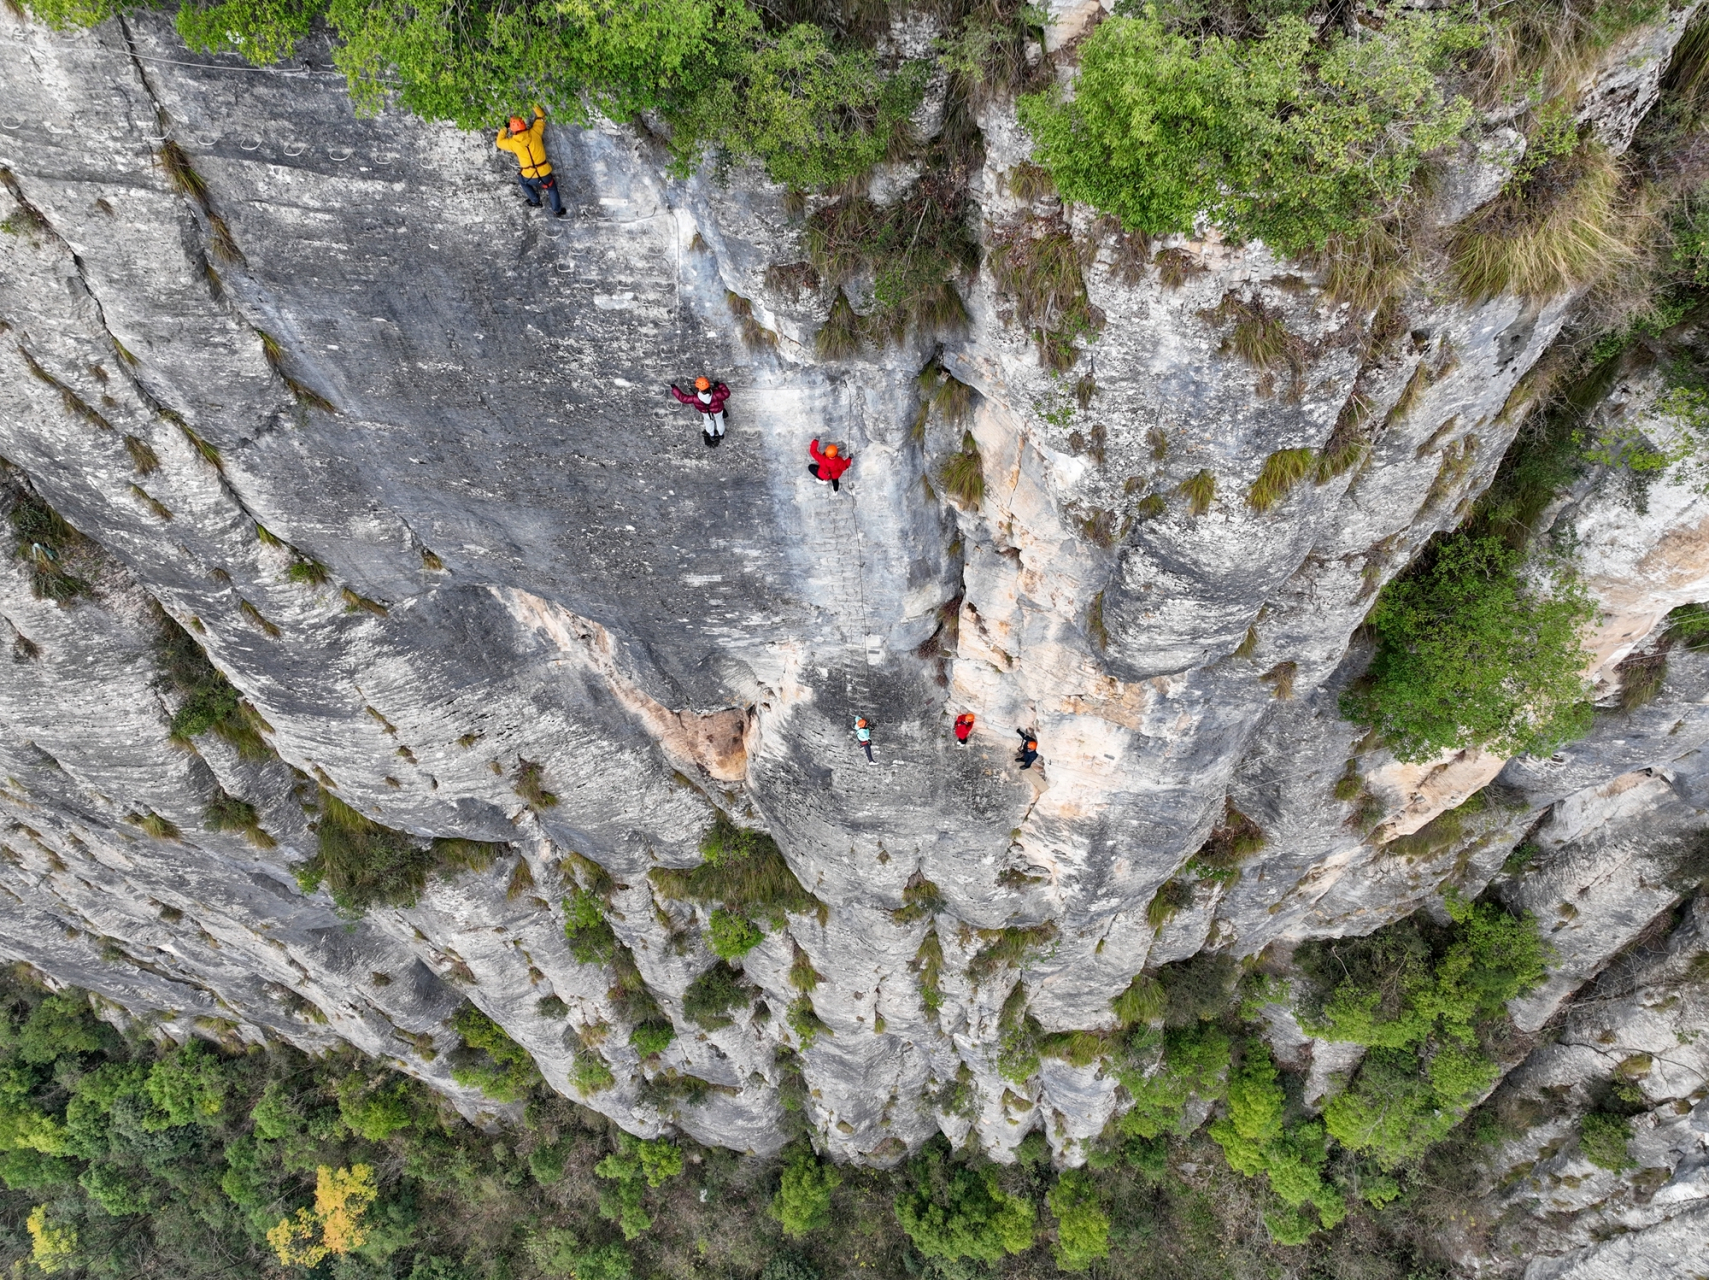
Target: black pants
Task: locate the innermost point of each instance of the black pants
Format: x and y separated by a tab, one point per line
836	485
868	747
532	187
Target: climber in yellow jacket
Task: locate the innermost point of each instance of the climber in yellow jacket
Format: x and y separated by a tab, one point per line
528	144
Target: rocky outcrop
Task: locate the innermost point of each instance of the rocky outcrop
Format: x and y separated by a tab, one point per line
345	341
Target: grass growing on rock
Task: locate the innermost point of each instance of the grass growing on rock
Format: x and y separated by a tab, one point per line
209	701
744	872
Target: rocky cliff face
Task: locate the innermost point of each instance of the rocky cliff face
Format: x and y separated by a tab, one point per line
346	341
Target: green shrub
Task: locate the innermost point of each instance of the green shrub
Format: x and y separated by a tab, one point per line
502	1069
1419	1004
1287	138
653	1037
209	702
1082	1225
803	1200
1195	1063
1471	654
1604	1139
636	1161
47	544
263	31
362	863
586	929
949	1211
591	1074
559	1252
187	1087
732	934
711	997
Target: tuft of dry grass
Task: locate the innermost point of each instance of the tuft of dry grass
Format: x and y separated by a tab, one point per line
963	474
1177	266
354	602
254	615
158	827
754	334
152	503
839	338
529	782
142	457
1280	678
1565	228
1167	903
1029	181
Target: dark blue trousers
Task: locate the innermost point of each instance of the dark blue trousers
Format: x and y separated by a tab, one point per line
532	187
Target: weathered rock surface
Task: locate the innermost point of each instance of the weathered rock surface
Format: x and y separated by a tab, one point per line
532	557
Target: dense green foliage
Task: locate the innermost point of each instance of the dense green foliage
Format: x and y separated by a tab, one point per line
1082	1226
1421	999
43	540
951	1211
813	109
803	1200
1289	137
1471	652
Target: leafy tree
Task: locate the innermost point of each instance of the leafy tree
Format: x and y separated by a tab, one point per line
187	1087
334	1226
803	1200
1288	138
374	1112
1082	1225
636	1161
1472	654
949	1211
1419	1008
1256	1141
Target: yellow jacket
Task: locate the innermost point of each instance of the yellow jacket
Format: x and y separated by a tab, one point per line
529	147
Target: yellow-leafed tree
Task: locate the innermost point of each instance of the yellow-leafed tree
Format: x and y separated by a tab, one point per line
342	1196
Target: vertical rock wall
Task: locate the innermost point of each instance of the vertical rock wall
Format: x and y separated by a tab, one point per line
350	333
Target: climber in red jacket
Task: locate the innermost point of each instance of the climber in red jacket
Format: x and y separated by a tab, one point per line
709	398
828	464
963	727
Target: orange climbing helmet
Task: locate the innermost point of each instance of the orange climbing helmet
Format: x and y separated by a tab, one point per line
830	451
702	384
516	125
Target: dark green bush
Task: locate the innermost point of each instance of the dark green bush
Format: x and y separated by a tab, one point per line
491	1061
209	702
49	546
361	863
711	997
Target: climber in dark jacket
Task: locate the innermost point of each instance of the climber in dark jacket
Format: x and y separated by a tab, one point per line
708	398
528	144
828	465
1029	748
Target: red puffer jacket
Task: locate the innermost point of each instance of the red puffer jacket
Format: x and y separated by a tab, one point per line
720	393
829	468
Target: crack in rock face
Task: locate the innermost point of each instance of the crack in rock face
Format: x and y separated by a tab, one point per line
389	459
